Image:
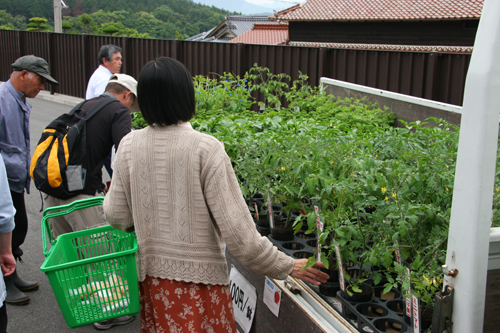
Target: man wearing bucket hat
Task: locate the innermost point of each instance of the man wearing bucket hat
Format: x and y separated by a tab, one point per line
104	129
29	76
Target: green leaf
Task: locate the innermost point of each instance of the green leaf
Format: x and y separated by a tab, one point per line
356	289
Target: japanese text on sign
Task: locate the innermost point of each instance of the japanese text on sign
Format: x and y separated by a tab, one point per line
244	299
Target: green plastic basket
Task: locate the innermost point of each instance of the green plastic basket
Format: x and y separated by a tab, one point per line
92	272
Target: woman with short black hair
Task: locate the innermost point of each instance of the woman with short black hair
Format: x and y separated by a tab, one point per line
176	188
170	93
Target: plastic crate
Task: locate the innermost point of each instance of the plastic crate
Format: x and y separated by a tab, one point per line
92	272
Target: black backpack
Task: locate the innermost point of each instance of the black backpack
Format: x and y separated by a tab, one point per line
59	164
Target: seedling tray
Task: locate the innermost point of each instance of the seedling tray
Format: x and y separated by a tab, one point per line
301	246
381	314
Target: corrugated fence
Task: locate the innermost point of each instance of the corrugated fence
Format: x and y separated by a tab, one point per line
73	58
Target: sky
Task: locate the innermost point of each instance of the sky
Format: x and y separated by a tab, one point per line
266	2
250	7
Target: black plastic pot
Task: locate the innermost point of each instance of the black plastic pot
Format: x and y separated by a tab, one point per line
332	286
263	230
263	220
282	231
366	294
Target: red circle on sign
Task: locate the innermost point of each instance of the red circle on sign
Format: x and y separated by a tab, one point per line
276	297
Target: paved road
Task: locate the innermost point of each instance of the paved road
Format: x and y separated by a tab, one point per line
42	314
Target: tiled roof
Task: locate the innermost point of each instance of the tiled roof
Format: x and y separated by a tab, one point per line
351	10
264	33
387	47
241	23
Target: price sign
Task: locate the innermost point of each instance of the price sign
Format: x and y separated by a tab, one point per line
244	299
396	250
341	268
319	252
272	296
408	299
416	315
319	224
256	210
270	210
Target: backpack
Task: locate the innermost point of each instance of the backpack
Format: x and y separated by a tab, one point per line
59	165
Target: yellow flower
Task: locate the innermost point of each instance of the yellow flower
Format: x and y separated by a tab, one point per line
283	168
394	195
331	162
447	167
447	189
376	156
383	190
386	198
498	189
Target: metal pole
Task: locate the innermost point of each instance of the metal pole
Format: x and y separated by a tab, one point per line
57	16
471	212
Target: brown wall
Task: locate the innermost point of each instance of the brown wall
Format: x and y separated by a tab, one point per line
73	58
449	33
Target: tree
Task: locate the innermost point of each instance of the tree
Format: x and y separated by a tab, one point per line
101	17
66	12
66	26
111	28
164	13
78	8
85	20
146	22
132	33
178	35
37	24
6	20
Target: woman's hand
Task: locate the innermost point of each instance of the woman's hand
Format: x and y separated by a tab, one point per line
311	275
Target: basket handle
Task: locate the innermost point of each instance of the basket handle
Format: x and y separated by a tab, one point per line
63	210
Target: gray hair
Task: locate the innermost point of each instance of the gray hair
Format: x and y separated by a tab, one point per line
107	52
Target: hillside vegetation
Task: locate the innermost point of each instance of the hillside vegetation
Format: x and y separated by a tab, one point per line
141	18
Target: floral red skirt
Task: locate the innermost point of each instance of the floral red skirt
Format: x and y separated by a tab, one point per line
178	307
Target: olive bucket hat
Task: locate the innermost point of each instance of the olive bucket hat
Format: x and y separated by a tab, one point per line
35	65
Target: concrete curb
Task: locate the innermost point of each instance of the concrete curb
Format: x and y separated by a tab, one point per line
58	98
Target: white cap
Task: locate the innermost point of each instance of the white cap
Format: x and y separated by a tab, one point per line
128	82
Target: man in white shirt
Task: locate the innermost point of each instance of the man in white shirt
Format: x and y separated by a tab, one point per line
110	62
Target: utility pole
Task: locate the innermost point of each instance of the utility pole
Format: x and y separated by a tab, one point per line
58	6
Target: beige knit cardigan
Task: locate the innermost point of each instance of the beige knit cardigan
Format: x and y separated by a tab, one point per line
176	187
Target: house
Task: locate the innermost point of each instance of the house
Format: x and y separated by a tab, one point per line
264	33
405	25
232	27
